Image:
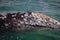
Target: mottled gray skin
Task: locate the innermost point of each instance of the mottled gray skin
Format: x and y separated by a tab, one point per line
26	21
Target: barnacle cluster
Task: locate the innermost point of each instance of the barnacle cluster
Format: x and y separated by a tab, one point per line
26	21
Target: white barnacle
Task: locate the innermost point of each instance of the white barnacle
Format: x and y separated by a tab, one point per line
50	20
6	24
3	17
33	13
32	24
14	18
18	24
39	21
26	22
22	16
9	23
45	20
31	21
21	22
26	14
13	15
25	19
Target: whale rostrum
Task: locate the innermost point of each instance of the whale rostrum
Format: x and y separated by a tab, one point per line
27	21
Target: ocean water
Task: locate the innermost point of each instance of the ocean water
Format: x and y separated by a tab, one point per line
32	35
47	7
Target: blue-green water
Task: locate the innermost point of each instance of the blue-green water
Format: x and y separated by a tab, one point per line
47	7
35	35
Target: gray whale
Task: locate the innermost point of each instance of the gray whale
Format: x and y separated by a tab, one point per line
27	21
